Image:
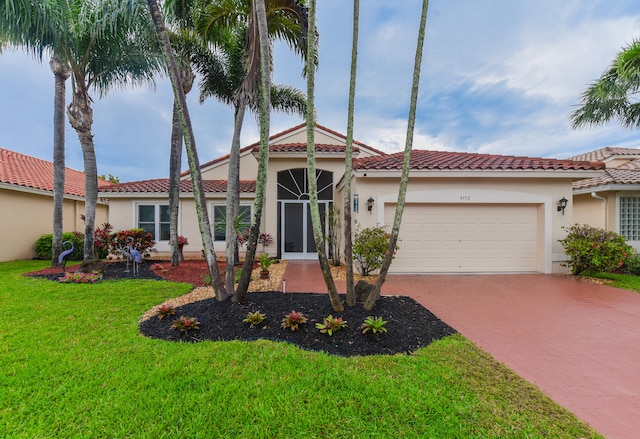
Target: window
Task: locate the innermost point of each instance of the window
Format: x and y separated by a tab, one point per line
630	218
243	220
154	218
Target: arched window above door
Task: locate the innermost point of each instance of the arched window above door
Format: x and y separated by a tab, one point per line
293	184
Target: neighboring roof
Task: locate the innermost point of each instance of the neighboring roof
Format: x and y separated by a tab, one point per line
445	160
30	172
609	177
161	185
606	153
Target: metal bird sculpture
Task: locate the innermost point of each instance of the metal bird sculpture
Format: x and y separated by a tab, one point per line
135	255
127	257
62	259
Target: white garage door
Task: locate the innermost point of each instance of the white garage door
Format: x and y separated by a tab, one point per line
446	238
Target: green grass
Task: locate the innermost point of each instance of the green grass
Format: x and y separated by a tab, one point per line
72	364
625	281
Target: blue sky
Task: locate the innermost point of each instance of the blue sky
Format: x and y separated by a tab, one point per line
498	77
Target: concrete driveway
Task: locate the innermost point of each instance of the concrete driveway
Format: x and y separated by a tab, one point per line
578	342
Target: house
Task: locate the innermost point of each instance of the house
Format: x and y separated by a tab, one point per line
465	213
26	197
611	200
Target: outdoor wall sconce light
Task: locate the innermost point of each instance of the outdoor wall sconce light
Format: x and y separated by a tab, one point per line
562	204
356	203
370	204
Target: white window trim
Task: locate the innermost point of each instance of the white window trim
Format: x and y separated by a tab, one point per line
156	217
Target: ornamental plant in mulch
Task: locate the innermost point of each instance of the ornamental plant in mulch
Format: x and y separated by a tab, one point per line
293	320
185	324
331	324
79	278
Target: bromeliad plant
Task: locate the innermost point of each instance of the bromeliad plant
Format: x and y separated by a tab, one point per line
79	278
165	310
185	324
375	325
255	318
331	324
293	320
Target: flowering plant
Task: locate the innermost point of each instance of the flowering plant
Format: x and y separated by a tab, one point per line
182	241
79	278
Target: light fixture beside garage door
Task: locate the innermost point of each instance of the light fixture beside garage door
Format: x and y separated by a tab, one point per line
370	205
562	204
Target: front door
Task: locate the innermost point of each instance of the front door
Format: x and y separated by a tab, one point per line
295	234
297	230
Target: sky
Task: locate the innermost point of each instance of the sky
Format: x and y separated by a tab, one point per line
498	77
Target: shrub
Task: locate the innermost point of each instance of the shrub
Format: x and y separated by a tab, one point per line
375	325
102	240
265	240
142	241
369	248
593	249
293	319
185	324
265	261
255	318
632	264
44	244
331	324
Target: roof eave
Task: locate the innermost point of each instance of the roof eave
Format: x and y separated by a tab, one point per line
607	188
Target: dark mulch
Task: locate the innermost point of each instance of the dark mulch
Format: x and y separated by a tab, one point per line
112	271
409	325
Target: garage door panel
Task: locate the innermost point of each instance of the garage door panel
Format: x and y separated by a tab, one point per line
466	238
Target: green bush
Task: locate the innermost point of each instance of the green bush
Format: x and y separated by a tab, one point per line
632	264
369	247
44	244
590	249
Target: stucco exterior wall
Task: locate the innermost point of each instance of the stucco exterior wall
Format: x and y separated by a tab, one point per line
595	212
26	216
248	169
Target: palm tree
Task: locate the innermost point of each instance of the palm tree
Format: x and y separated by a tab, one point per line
311	166
404	178
348	168
222	69
614	95
192	152
286	19
22	25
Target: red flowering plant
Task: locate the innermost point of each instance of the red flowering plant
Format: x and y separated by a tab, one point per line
182	241
293	320
185	324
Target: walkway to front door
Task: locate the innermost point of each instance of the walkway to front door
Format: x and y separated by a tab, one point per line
577	341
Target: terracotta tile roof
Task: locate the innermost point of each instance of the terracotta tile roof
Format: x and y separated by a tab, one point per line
302	147
445	160
607	152
30	172
161	185
610	176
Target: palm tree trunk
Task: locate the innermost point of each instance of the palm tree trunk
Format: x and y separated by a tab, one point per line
404	179
348	168
263	157
311	167
81	119
175	163
233	194
192	152
61	74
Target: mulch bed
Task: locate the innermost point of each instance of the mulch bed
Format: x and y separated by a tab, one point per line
409	325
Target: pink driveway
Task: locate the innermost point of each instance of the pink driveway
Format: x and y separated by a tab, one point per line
578	342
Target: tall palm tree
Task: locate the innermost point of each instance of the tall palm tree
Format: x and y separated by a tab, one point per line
348	168
614	95
286	20
404	178
222	71
311	166
192	152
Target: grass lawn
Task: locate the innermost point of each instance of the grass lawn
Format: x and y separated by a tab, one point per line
72	364
625	281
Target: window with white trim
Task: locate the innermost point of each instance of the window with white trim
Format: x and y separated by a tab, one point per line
154	218
629	217
243	220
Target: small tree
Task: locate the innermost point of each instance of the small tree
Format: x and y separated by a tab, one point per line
593	249
369	247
